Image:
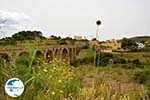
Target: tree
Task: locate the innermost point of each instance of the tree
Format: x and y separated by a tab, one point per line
68	38
27	35
53	37
127	43
142	41
93	39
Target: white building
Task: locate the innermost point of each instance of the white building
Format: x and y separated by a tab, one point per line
140	45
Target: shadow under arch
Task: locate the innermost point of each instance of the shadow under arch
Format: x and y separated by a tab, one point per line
65	55
5	56
49	55
39	54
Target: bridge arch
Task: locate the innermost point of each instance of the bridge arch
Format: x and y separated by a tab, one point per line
39	54
49	55
65	54
57	53
5	56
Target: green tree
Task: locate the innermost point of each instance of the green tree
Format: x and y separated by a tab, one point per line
127	43
27	35
53	37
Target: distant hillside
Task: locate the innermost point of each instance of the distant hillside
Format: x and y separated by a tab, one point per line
141	38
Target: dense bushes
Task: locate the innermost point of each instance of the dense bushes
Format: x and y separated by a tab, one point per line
126	43
142	76
102	59
120	60
146	49
86	60
136	61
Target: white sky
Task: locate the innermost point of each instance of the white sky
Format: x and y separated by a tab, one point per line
120	18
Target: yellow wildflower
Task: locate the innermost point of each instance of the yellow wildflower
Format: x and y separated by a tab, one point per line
50	76
45	70
59	81
61	91
53	93
39	67
54	68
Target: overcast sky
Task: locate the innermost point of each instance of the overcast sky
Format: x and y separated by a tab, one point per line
120	18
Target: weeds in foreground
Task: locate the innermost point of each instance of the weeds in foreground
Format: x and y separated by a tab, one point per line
52	80
58	81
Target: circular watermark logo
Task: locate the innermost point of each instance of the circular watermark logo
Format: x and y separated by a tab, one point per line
14	87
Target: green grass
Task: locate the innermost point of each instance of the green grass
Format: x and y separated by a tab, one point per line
58	81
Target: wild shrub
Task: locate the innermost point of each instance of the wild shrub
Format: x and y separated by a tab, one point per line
142	76
120	61
82	61
102	59
137	63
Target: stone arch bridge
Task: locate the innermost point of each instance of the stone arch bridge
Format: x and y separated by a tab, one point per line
62	52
